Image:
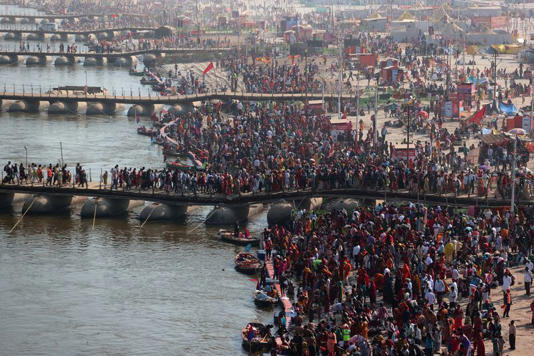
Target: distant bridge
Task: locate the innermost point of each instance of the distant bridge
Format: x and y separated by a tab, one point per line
11	57
101	33
13	17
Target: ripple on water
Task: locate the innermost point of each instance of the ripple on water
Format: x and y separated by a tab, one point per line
163	289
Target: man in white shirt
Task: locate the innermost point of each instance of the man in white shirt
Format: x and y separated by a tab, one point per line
428	260
439	287
528	280
453	294
506	282
430	298
455	275
355	251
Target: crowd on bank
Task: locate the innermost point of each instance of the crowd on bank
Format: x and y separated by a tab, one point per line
400	280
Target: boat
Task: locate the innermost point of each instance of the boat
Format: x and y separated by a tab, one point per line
158	140
158	124
262	300
247	263
149	81
194	159
158	87
171	152
142	130
136	72
262	339
177	165
242	239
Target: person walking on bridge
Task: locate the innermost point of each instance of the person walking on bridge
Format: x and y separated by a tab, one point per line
49	175
115	177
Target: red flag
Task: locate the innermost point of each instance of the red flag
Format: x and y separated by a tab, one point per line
477	117
208	68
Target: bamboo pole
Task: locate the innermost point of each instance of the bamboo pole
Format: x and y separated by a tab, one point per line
94	213
149	215
20	219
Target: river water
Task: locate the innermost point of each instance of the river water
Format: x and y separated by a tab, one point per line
168	288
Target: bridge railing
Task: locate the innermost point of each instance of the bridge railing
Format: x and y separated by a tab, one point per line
524	196
136	92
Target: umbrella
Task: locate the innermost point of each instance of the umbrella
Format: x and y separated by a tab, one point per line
517	131
423	114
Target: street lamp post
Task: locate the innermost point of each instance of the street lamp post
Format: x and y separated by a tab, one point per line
306	78
375	134
340	79
410	107
512	201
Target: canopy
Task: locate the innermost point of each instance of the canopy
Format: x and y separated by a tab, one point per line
508	109
517	131
494	139
406	16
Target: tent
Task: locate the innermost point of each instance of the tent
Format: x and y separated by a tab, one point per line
507	109
406	16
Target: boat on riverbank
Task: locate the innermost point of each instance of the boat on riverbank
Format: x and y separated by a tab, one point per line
262	300
256	337
247	263
136	73
149	81
241	239
142	130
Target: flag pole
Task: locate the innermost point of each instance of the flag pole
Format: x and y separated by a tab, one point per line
512	201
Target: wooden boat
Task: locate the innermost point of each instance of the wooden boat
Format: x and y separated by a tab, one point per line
258	342
149	81
247	263
142	130
158	87
262	300
136	73
171	152
228	236
158	140
177	165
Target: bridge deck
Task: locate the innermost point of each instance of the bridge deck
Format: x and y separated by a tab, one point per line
156	51
249	198
169	99
67	16
80	32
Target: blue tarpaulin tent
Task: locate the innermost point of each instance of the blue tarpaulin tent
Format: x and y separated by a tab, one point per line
476	81
507	109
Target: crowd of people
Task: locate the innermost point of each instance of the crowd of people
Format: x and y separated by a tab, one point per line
268	77
399	280
47	175
281	147
273	147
